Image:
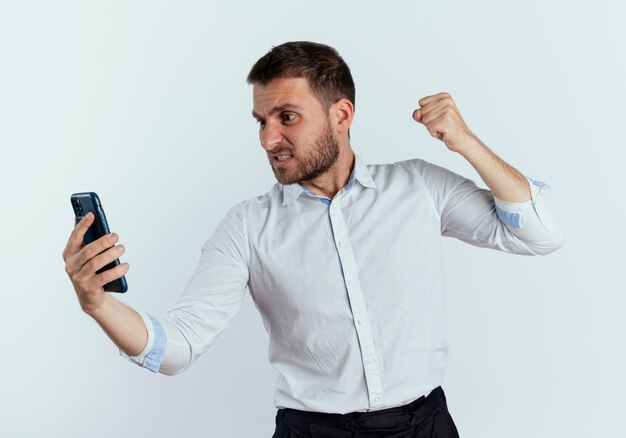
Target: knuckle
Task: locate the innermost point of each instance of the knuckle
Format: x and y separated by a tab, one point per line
89	251
81	285
106	277
91	266
82	226
70	266
102	278
104	242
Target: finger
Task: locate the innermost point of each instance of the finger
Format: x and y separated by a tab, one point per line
437	114
441	103
430	113
76	262
441	108
75	240
95	248
417	115
430	103
98	262
426	100
438	127
435	109
111	274
97	281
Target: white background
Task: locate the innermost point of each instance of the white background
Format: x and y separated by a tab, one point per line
145	102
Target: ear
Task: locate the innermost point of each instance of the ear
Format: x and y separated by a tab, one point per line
342	114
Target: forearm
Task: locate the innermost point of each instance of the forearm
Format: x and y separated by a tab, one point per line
504	181
122	324
442	119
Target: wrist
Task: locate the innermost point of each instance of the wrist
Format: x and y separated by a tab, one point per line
94	308
470	147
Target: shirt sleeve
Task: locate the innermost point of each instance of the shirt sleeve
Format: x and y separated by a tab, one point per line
473	215
153	352
210	300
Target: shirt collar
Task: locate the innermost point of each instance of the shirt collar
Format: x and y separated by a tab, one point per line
360	173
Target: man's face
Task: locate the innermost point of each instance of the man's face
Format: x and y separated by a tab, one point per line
294	130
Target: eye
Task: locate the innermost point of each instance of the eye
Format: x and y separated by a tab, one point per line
288	117
260	122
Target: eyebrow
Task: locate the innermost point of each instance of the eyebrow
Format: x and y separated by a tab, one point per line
278	109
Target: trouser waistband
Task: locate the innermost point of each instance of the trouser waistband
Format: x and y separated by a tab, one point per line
413	414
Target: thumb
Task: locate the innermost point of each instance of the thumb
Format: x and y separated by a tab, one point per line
417	115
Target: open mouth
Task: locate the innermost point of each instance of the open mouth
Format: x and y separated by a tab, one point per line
281	160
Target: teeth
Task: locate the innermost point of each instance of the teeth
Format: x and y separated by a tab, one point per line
283	157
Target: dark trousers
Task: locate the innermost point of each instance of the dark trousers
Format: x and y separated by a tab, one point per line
422	418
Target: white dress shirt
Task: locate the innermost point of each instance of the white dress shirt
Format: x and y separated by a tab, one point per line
350	290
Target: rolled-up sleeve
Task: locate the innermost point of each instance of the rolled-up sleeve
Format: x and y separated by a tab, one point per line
473	215
152	354
532	221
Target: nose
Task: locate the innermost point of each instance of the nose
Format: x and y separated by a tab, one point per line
270	136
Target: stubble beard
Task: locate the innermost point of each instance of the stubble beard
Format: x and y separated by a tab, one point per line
324	155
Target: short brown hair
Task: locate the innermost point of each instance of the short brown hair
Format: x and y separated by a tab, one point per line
326	72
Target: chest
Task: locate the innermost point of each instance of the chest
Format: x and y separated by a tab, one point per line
303	254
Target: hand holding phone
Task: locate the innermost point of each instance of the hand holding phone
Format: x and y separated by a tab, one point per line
92	260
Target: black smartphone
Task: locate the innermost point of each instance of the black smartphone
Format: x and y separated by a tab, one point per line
86	202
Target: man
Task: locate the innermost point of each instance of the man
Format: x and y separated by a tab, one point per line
343	260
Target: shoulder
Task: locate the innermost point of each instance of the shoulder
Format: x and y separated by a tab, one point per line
415	165
406	171
234	225
422	168
258	203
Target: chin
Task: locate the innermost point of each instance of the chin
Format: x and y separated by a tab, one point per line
283	178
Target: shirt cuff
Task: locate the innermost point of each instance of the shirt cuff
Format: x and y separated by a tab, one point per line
512	213
154	351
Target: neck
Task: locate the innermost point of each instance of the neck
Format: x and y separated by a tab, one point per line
336	178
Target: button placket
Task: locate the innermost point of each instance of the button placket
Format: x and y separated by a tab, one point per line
357	303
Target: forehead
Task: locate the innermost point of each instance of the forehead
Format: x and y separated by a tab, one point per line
281	92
